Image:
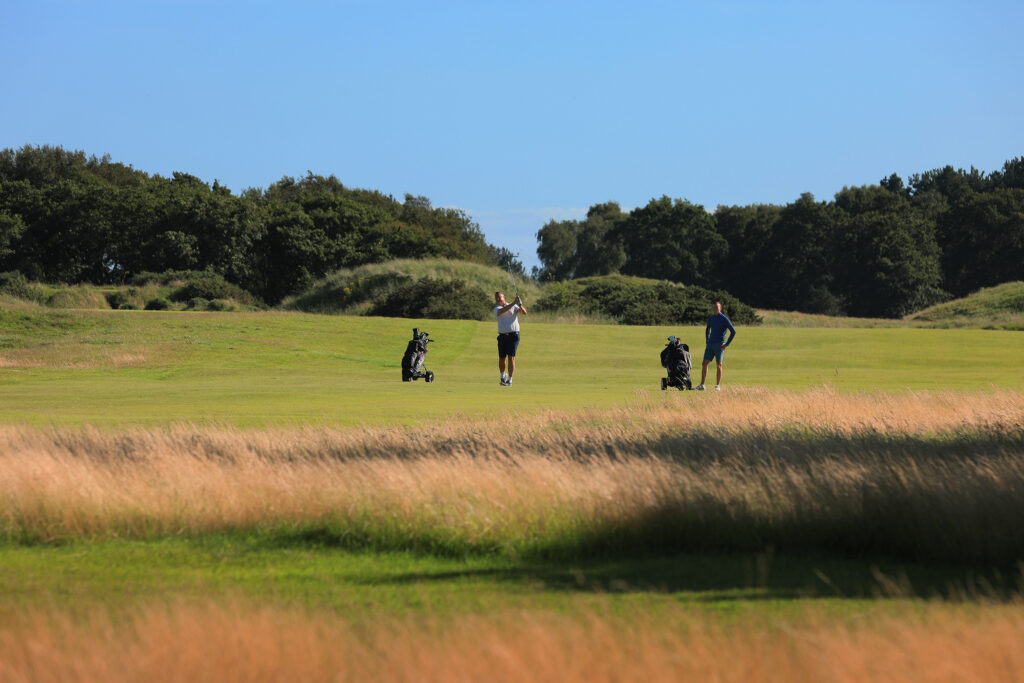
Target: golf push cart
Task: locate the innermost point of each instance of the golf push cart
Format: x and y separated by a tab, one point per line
412	361
675	358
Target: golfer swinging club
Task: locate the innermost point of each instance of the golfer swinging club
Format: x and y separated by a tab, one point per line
508	334
714	333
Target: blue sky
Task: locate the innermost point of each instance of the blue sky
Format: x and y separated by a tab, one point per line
520	112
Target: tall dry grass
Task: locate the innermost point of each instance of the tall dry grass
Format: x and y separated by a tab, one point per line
217	643
921	476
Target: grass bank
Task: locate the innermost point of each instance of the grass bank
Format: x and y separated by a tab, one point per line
924	477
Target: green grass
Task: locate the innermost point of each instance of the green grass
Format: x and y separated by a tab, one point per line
259	369
369	585
999	307
1002	305
124	368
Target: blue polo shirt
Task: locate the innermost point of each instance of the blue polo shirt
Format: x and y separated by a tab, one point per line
714	333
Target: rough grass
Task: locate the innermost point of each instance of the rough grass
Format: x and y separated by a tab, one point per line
354	290
92	297
999	307
920	477
244	643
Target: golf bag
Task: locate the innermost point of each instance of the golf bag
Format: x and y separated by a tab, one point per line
412	361
675	358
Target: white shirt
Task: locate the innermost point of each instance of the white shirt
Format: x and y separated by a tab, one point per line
509	322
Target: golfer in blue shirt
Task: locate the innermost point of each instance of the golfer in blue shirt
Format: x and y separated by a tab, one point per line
714	334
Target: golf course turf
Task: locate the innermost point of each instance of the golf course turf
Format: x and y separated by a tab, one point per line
196	462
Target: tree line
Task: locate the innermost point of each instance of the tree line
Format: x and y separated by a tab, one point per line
68	217
882	250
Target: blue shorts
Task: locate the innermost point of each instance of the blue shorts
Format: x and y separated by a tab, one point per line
507	344
714	351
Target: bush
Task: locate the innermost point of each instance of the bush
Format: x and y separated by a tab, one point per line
430	298
78	296
634	301
193	284
211	286
158	304
198	303
121	299
15	284
340	294
221	305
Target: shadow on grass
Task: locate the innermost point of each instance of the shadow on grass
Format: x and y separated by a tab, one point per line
707	575
716	578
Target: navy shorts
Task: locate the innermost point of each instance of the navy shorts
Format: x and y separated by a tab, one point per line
507	344
714	351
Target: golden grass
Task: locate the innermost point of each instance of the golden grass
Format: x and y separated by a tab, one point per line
217	643
71	357
927	475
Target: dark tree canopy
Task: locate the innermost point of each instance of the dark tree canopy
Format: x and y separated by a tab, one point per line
875	250
66	217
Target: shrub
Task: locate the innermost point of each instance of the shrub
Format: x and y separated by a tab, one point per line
198	303
430	298
221	305
78	296
158	304
15	284
633	301
191	284
339	294
209	286
121	299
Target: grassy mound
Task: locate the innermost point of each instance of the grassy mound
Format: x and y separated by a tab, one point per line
1001	306
641	301
173	290
358	291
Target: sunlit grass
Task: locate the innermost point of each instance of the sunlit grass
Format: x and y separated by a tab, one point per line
924	476
245	643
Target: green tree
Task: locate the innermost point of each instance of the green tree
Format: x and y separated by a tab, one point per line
800	254
556	249
599	251
983	240
671	240
890	262
747	230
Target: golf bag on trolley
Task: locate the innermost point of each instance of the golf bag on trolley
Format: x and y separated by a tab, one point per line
675	358
415	353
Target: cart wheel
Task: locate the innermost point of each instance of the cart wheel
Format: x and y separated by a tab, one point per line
430	376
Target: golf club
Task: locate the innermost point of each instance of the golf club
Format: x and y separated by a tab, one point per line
512	276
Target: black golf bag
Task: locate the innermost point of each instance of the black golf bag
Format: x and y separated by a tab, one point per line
675	358
412	361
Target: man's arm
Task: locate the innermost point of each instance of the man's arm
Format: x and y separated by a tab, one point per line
732	332
707	331
506	308
521	308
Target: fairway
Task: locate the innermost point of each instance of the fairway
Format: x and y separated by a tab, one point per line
255	491
118	368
